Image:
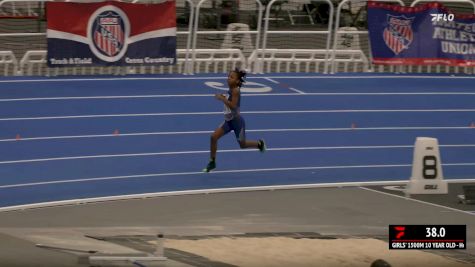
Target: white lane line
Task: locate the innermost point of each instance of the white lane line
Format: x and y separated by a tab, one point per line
297	90
272	80
288	87
112	79
416	200
187	192
101	97
299	93
112	115
224	77
221	151
201	173
107	135
202	191
253	130
336	77
243	112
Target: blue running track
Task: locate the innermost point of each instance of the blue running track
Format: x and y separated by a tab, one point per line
89	137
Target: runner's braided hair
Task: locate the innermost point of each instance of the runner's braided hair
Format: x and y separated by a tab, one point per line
241	75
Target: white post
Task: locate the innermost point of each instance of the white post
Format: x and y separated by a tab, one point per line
337	26
159	249
187	69
427	176
195	35
329	37
257	68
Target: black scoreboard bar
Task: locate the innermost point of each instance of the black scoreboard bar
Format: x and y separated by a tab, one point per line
427	236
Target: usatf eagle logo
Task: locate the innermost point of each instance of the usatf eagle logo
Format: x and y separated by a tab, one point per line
398	35
108	31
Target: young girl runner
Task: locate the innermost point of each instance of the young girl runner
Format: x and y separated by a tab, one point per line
233	121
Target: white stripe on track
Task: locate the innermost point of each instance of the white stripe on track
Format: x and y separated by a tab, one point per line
224	78
253	130
272	81
416	200
202	173
299	93
221	151
207	191
243	112
224	171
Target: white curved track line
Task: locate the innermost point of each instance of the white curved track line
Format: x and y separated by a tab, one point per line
243	112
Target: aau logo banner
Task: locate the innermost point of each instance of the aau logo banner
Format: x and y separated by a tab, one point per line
111	33
108	31
401	35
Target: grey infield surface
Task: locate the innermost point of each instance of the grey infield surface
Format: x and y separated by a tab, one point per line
69	234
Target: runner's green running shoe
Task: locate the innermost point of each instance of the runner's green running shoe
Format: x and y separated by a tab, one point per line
261	144
211	165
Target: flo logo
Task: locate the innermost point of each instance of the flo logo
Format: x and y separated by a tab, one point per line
400	231
443	17
108	30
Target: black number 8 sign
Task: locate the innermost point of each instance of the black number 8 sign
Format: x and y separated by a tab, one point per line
429	169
